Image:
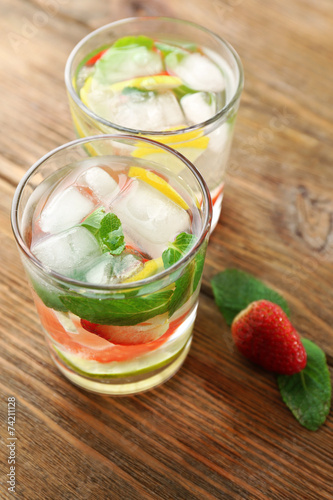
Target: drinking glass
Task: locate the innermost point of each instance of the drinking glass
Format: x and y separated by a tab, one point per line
131	335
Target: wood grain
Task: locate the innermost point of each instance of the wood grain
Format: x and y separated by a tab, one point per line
218	429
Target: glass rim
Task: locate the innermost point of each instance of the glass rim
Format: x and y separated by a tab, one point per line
207	202
221	113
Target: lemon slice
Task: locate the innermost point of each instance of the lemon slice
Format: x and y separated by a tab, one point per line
157	82
191	144
85	90
151	267
158	183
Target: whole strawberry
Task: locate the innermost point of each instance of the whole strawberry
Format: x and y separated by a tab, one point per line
263	333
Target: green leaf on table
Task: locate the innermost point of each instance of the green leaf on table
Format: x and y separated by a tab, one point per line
308	393
234	290
111	234
119	311
93	221
133	41
176	250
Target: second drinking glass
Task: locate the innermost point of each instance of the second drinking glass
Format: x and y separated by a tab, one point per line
166	79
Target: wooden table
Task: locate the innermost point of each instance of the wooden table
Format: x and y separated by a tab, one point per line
218	429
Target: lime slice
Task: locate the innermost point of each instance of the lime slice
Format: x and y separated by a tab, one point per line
156	82
143	364
158	183
150	267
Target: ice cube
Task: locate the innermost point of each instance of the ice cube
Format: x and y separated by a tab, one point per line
99	181
68	251
64	210
198	107
197	72
109	269
118	64
143	110
149	218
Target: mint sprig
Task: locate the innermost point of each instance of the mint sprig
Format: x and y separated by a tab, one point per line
107	229
234	290
308	393
111	234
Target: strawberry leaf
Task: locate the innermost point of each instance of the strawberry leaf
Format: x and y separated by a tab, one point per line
308	393
234	290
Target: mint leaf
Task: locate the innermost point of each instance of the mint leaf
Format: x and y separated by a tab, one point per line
308	393
199	265
111	234
111	67
234	290
118	311
182	290
140	92
183	90
133	41
107	230
176	250
93	221
190	279
49	294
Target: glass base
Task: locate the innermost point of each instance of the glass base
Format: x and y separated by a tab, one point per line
127	385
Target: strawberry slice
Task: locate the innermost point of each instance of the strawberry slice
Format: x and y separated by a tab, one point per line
95	58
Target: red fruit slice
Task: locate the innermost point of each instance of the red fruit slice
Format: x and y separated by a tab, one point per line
130	335
95	58
219	192
91	346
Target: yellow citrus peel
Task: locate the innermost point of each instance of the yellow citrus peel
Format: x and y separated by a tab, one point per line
150	267
158	183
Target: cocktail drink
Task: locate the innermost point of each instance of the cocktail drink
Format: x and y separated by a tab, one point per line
170	80
114	246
